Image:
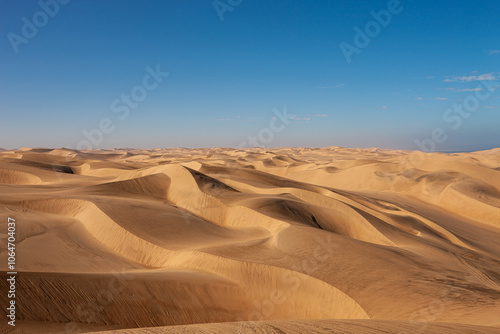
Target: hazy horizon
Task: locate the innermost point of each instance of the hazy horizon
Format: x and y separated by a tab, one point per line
236	148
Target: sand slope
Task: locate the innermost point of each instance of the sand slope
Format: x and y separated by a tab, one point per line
395	241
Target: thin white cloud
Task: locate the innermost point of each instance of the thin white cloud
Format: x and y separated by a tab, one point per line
342	85
477	89
441	98
239	119
493	52
430	77
486	76
383	107
296	119
419	98
306	119
461	90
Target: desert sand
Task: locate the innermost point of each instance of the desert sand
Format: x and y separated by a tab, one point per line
277	240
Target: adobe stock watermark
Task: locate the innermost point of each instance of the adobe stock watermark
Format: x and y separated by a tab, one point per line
455	116
122	106
48	10
265	136
222	6
420	319
372	29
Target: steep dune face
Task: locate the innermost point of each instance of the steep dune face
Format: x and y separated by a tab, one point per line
393	240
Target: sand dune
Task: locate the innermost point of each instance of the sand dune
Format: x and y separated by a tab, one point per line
289	240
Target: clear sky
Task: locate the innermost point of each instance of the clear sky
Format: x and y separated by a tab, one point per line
345	79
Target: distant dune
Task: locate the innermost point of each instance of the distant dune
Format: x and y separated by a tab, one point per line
288	240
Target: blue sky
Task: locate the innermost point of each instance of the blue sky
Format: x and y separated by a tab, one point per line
230	63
